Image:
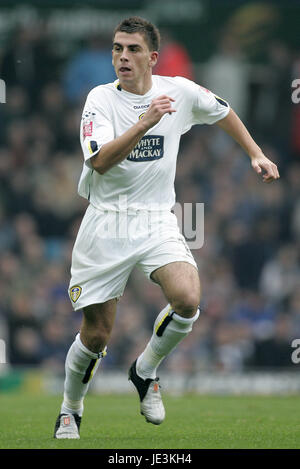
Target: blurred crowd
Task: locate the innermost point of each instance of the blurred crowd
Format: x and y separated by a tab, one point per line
249	262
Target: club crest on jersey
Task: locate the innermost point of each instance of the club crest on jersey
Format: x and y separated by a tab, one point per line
150	147
75	293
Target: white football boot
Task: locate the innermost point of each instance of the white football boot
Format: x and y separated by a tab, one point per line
151	404
67	427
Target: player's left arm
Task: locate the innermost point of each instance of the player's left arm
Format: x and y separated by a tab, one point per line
259	162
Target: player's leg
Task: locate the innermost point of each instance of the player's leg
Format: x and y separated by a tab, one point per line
100	268
82	361
181	286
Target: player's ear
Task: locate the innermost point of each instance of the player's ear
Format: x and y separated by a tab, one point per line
153	58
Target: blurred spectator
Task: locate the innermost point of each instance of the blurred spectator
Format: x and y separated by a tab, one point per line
54	345
249	249
17	106
89	67
273	105
280	275
174	59
25	347
23	63
274	352
24	337
52	105
232	345
227	74
250	306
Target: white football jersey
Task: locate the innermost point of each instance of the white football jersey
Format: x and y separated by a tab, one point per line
145	178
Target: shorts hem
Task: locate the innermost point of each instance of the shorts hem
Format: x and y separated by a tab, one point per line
76	307
171	262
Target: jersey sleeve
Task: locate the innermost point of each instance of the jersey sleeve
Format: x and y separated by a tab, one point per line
208	108
96	126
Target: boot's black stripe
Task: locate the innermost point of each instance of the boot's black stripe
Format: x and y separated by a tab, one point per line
163	325
141	385
89	371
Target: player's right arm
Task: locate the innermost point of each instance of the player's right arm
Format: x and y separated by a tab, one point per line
118	149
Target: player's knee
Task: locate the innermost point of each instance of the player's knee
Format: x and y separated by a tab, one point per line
187	304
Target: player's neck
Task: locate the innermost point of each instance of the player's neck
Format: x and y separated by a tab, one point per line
141	87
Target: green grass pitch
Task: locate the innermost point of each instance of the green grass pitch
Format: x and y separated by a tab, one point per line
192	422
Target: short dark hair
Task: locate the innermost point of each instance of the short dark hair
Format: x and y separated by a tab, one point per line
135	24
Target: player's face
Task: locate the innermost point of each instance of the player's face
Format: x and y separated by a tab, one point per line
131	58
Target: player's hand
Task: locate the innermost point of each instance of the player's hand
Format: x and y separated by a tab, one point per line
157	109
262	165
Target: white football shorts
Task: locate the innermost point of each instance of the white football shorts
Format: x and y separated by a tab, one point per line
110	244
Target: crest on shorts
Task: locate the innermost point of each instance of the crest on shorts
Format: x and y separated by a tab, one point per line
75	293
